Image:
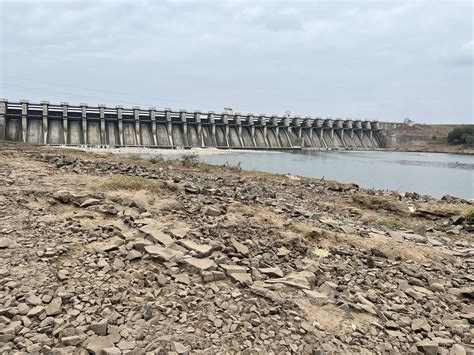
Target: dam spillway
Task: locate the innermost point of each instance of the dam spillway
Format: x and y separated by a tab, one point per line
64	124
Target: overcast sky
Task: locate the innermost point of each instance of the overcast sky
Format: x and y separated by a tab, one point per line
383	60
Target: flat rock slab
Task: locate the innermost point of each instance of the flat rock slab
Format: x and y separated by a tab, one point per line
233	269
89	202
240	248
5	243
154	234
162	253
110	244
241	277
317	298
200	264
145	221
97	344
202	250
272	271
141	243
298	279
179	233
282	252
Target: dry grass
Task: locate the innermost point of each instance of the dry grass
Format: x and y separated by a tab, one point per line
436	210
391	223
381	203
130	183
134	157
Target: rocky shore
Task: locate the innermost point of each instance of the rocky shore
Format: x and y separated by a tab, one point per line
448	149
107	255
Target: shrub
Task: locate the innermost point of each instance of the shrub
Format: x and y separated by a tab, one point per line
190	160
461	135
134	156
157	159
470	216
237	167
391	223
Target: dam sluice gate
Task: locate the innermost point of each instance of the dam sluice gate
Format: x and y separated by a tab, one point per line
82	125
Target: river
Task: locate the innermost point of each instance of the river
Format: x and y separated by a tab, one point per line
433	174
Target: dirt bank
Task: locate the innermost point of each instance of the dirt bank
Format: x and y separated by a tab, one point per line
111	255
428	138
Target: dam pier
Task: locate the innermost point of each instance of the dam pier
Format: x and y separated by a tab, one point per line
77	125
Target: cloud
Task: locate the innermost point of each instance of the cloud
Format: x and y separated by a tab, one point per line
386	60
461	56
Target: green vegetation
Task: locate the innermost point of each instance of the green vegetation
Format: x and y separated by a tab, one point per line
391	223
447	226
133	156
190	160
470	216
232	167
462	135
157	159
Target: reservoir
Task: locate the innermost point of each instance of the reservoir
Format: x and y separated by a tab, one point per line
433	174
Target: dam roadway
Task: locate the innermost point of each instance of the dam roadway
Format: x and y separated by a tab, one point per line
64	124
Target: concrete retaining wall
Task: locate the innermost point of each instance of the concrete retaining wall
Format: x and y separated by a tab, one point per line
49	124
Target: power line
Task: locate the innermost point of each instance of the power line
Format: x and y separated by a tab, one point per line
40	90
104	91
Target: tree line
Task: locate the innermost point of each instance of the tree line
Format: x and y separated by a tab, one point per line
461	135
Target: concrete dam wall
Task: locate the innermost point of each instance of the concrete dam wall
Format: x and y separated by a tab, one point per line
64	124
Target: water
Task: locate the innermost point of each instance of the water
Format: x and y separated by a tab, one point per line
431	174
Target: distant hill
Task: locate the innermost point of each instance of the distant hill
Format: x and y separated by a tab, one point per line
422	134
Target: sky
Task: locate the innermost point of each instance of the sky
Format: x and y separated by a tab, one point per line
378	60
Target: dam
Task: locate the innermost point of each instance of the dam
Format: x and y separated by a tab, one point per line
82	125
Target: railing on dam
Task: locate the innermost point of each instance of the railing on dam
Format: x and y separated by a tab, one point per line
65	124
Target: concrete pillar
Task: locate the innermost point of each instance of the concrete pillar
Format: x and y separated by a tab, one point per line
103	139
212	123
297	126
3	118
182	117
169	126
45	105
286	128
338	124
153	124
197	119
328	124
136	116
119	110
274	121
225	122
348	128
238	123
65	106
250	123
318	124
84	123
262	120
24	119
308	124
